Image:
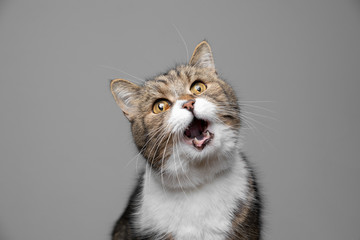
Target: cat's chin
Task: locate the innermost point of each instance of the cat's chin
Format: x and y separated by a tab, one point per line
197	134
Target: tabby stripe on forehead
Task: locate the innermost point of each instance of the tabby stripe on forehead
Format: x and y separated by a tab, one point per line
147	98
162	81
189	74
181	74
178	74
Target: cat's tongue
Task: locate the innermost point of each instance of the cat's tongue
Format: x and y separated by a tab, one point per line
204	139
198	134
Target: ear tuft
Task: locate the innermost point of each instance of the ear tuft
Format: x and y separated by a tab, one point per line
124	93
202	56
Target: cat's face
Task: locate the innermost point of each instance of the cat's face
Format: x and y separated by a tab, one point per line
188	114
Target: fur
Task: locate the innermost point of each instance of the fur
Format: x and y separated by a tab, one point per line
197	183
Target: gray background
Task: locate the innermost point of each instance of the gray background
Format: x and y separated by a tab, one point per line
65	146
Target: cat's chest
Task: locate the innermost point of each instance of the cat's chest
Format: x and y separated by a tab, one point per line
204	213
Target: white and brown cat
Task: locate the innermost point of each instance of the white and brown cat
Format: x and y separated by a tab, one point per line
197	183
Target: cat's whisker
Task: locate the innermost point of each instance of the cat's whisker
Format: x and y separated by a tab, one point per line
251	122
144	147
183	40
176	172
260	101
158	140
149	171
244	105
227	109
122	71
136	166
260	115
218	120
156	134
248	124
251	126
132	159
178	137
258	122
157	143
260	133
151	167
162	165
142	150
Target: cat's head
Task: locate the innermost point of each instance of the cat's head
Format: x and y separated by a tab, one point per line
188	114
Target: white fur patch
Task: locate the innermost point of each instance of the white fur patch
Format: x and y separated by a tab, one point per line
195	196
201	213
225	141
180	117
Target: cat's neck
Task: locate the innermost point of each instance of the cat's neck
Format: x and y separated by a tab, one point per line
194	213
187	175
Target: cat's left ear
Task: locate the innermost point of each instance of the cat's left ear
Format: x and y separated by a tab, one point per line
202	56
125	94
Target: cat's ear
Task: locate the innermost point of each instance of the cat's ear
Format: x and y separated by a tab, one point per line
125	94
202	56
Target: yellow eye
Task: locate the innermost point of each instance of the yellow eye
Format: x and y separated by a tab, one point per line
161	105
197	87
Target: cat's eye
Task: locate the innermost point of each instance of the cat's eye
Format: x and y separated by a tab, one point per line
198	87
161	105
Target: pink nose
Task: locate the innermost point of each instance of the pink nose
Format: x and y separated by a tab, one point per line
189	105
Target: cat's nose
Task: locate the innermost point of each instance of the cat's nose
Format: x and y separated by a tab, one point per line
189	105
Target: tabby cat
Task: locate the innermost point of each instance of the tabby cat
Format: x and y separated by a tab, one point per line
197	184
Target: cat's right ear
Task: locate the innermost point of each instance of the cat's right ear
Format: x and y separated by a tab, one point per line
202	56
125	93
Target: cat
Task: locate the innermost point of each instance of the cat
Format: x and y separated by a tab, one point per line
197	183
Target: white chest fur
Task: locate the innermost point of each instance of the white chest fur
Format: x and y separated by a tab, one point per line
202	213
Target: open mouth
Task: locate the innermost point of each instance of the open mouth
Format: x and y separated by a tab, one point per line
197	133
